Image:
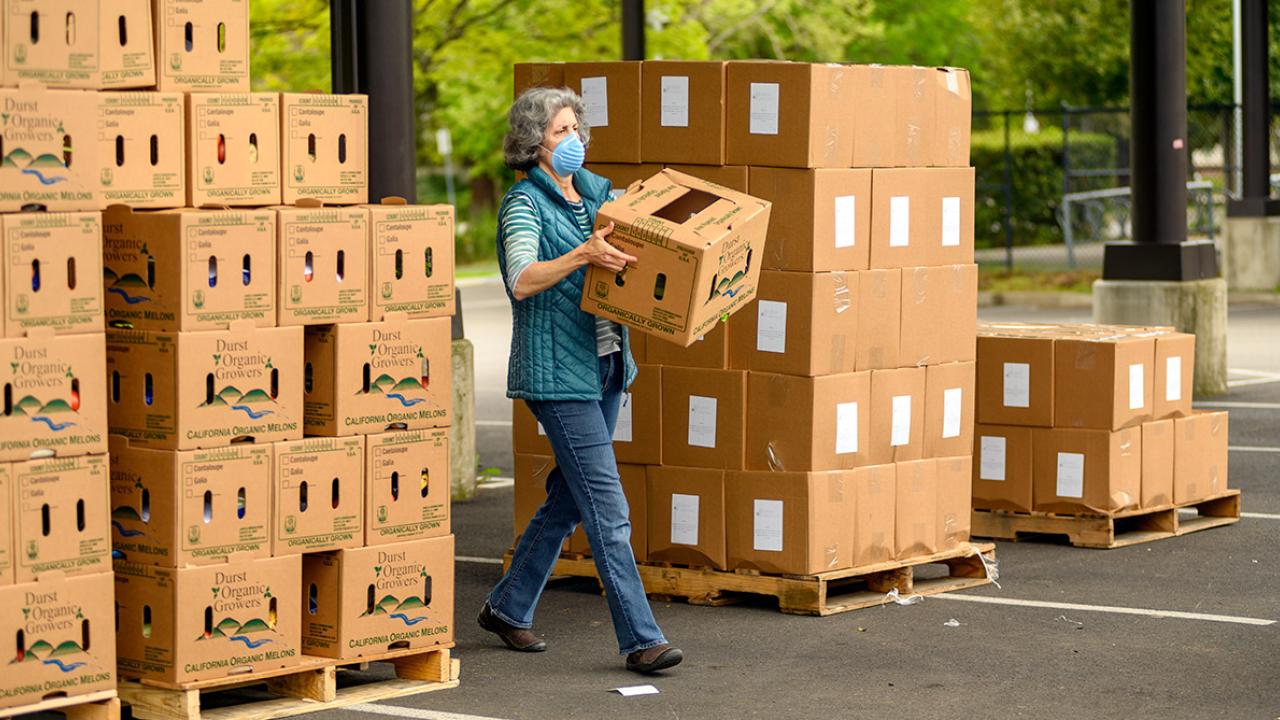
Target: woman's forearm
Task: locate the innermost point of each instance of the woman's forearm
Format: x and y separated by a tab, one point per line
539	276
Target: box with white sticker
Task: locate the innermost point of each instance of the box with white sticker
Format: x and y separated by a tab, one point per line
1117	370
799	324
637	435
1086	471
1174	370
804	424
1002	468
682	116
921	217
703	417
686	516
948	409
789	522
821	219
611	94
788	114
897	415
1015	377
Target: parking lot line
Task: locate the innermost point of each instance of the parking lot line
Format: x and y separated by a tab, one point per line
1175	614
479	560
410	712
1253	448
1234	405
1260	516
493	423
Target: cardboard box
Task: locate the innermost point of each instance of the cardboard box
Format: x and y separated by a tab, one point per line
193	507
734	177
955	501
1002	468
611	93
395	506
799	323
948	409
878	140
52	262
536	74
786	114
61	516
939	315
916	516
821	219
915	112
921	217
527	434
6	526
879	311
183	391
213	621
637	435
1157	463
100	44
686	516
53	162
1118	372
189	269
639	343
1174	370
410	260
1199	456
703	422
897	416
233	148
695	243
60	398
322	264
324	143
707	351
413	586
318	490
202	45
1079	471
530	492
141	149
64	628
875	512
377	376
1015	379
682	113
789	522
953	118
623	174
804	424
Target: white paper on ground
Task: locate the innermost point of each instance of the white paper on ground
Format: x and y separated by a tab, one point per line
675	101
622	431
1017	385
846	428
1135	386
702	421
901	420
991	464
771	326
950	221
1173	378
633	690
1070	475
684	519
768	526
845	224
899	221
952	402
595	98
764	109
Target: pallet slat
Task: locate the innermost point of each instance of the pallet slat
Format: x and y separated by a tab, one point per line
101	705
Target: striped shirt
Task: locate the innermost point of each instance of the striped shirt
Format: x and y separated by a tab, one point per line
521	230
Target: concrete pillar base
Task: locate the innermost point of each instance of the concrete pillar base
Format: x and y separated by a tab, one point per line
462	435
1251	253
1196	306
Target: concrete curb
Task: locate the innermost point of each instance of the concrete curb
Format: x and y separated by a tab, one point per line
1036	299
1253	298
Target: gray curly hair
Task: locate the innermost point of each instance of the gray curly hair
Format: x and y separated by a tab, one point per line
528	119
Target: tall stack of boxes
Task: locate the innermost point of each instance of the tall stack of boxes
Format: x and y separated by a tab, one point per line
827	424
1091	420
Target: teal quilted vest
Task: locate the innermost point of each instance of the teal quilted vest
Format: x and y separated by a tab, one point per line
553	341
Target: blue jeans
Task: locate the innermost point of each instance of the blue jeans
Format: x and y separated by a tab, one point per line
584	487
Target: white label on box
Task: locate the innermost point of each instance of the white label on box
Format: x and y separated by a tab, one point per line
702	421
1070	475
1135	387
768	526
764	109
952	402
845	226
1173	378
899	221
950	221
595	98
991	464
684	519
622	430
675	101
1017	385
541	430
846	428
771	326
901	420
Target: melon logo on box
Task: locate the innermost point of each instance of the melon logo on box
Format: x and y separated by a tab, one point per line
20	54
386	357
238	367
725	285
131	287
19	126
389	577
122	514
41	617
230	598
37	372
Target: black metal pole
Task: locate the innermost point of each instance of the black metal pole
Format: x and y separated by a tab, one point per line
342	45
633	29
1007	216
385	65
1256	126
1158	117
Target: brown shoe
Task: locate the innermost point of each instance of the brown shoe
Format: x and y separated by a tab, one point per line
518	639
654	659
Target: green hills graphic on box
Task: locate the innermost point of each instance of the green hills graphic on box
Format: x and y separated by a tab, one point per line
130	286
397	389
231	396
393	607
236	631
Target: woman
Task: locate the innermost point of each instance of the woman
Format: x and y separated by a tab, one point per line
571	368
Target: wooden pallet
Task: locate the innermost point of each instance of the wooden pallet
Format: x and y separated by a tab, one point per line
1122	529
101	705
826	593
310	686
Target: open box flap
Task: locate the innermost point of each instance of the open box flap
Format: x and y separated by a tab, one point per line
656	204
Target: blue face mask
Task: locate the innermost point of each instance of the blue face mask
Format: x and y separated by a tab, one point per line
567	158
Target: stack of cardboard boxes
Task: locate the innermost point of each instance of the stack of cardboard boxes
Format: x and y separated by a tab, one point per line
828	423
1091	420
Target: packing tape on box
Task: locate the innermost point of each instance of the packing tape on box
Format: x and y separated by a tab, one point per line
832	554
775	463
1086	356
991	566
893	596
840	296
838	345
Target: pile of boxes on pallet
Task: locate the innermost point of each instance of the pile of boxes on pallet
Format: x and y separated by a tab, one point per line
828	423
1091	419
235	325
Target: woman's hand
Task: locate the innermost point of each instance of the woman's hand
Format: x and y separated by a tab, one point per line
597	251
